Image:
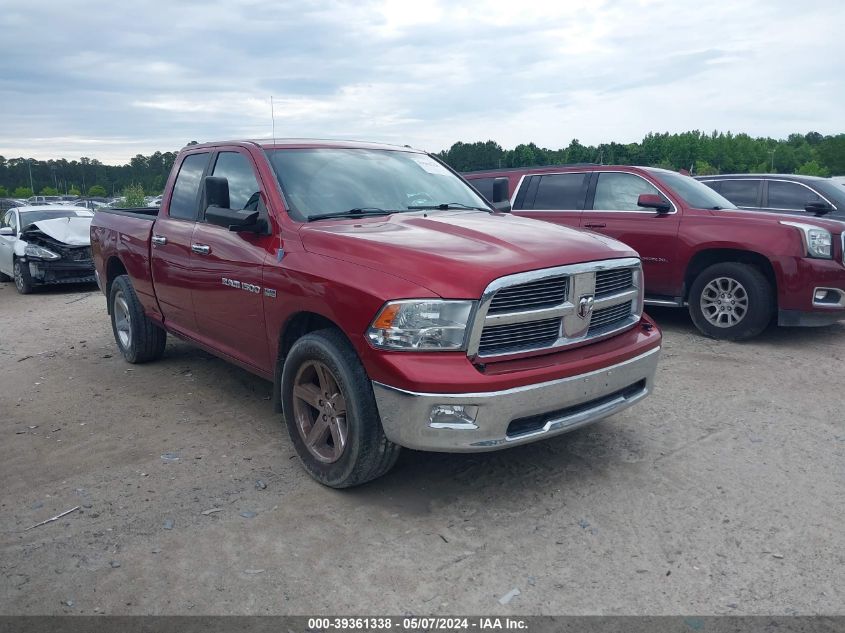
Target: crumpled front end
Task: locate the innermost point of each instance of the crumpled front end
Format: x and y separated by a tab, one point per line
53	262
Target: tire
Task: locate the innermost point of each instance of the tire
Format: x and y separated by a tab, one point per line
365	453
23	280
731	301
138	338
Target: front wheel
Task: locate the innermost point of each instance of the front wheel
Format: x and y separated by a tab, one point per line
331	414
23	280
731	301
138	338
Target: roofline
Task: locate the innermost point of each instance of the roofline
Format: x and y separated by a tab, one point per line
275	143
795	176
557	166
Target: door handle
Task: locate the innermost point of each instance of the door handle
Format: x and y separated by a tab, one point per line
596	225
201	249
158	240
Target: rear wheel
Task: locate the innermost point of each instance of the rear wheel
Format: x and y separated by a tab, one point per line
731	301
331	413
138	338
23	280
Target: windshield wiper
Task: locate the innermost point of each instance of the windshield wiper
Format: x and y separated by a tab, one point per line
445	206
352	213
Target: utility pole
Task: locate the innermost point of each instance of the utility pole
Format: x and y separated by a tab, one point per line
772	153
29	165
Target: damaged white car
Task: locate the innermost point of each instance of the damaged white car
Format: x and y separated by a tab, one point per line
46	245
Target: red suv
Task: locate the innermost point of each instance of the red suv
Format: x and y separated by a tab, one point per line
736	270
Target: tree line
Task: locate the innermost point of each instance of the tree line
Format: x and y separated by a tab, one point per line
811	154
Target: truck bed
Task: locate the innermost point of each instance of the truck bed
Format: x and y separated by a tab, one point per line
122	236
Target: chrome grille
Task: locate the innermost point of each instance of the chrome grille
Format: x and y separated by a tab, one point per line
609	317
519	336
609	282
544	310
536	294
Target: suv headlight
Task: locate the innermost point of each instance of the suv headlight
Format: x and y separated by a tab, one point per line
38	252
421	324
818	242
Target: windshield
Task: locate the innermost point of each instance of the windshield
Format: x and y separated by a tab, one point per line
30	217
323	181
694	193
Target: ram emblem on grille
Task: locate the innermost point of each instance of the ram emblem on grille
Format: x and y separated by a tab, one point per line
585	306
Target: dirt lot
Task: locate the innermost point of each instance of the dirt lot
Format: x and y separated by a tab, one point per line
721	493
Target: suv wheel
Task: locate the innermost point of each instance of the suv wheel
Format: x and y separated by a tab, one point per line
731	301
331	414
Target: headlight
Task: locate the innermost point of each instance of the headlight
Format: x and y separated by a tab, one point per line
817	241
40	253
421	324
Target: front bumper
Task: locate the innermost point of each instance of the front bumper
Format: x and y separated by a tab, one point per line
514	416
61	271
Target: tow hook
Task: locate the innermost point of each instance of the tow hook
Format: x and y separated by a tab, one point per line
647	327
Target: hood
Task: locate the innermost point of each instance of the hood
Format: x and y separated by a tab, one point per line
74	231
456	254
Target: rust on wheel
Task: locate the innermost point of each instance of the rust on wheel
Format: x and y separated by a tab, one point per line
320	411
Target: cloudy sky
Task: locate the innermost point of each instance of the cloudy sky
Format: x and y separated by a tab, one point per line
112	79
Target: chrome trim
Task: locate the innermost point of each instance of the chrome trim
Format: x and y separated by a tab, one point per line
405	414
842	238
574	329
835	306
158	240
662	302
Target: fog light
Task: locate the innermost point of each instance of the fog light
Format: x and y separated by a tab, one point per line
453	416
821	295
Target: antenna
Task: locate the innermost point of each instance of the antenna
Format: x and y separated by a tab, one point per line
273	118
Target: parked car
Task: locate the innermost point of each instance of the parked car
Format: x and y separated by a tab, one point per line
735	270
782	193
45	245
386	300
9	203
42	200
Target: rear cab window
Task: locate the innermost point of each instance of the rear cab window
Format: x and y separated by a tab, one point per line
184	202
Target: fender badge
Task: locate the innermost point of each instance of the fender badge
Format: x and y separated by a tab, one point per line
279	254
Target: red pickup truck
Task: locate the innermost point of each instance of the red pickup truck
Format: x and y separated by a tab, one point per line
388	302
735	270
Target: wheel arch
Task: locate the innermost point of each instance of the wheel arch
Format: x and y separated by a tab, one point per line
114	268
295	327
707	257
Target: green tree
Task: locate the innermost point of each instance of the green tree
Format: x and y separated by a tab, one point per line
74	191
812	168
134	196
98	191
49	191
703	168
22	192
4	193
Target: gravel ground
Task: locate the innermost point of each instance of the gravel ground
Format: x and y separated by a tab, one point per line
721	493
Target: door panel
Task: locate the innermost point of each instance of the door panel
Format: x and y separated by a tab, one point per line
613	211
170	255
228	292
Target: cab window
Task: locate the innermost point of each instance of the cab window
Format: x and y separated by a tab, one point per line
789	195
743	193
617	191
243	187
184	201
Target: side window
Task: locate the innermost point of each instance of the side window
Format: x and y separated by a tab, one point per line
243	187
484	186
789	195
12	220
743	193
560	191
618	191
7	219
183	203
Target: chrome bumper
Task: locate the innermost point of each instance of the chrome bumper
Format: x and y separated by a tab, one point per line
501	419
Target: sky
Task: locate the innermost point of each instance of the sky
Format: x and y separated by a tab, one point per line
109	80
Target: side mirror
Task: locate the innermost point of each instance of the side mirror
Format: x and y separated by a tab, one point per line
654	201
818	207
501	195
7	230
216	192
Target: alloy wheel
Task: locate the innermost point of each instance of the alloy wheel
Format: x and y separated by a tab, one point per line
320	410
